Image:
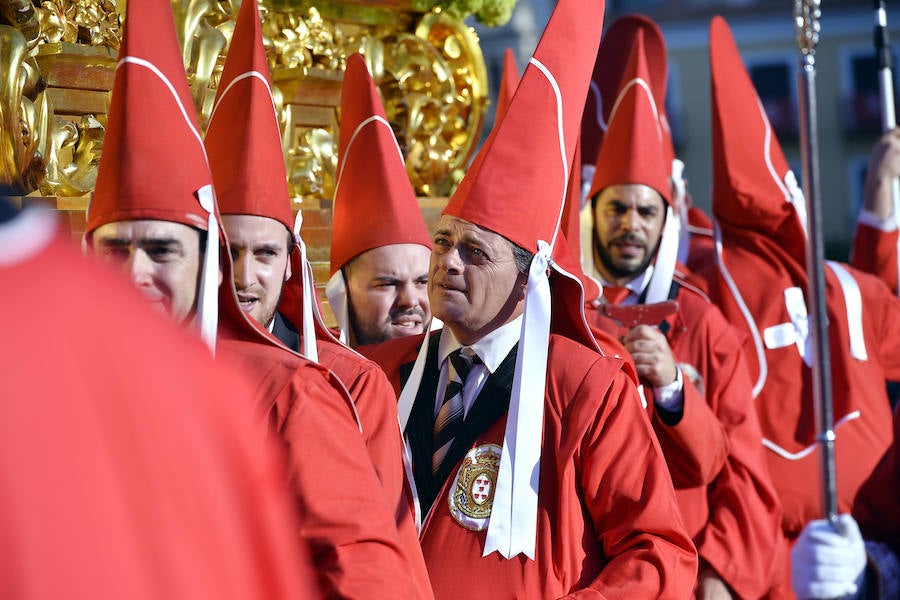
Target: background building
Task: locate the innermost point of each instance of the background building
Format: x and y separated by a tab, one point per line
847	86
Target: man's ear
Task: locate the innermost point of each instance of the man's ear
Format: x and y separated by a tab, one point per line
287	269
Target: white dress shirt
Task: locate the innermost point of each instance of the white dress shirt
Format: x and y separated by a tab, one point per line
491	350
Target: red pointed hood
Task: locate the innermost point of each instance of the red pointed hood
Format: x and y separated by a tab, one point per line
571	259
632	150
509	80
502	191
153	163
243	139
752	190
755	202
374	202
609	73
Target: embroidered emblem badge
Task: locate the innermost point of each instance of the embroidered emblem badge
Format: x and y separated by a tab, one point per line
472	493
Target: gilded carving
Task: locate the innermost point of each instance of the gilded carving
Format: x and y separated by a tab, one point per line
428	67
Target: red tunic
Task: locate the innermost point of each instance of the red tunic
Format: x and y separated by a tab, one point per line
784	402
875	251
735	519
376	405
345	513
607	518
130	468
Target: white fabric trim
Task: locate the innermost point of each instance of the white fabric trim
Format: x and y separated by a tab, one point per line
26	235
797	199
242	76
748	316
872	220
336	292
680	201
373	119
598	104
809	449
666	256
562	146
512	528
310	346
184	113
637	81
513	523
853	301
208	297
796	331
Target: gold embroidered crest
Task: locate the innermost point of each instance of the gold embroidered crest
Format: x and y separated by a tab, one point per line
472	493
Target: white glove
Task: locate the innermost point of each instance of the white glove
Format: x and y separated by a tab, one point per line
828	561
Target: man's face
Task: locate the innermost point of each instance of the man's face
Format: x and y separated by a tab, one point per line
474	283
628	224
259	249
386	293
162	258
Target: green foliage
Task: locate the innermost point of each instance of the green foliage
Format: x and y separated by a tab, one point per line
492	13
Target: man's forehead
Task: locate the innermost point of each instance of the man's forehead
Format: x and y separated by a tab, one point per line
255	228
636	193
398	261
455	226
145	229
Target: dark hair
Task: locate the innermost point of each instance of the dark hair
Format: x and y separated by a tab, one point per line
522	257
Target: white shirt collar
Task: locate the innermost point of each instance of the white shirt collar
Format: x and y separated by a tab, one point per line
636	285
491	349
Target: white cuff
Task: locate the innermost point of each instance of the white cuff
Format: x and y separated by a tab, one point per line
671	397
875	222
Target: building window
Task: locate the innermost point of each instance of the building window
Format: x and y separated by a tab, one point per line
773	80
862	95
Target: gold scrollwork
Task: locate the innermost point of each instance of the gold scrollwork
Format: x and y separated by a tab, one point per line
429	69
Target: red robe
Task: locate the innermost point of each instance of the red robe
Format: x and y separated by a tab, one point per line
875	251
862	411
734	517
695	448
702	253
346	515
607	518
376	405
130	468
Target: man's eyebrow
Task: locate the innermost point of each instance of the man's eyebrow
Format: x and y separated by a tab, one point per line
160	240
444	232
113	241
385	279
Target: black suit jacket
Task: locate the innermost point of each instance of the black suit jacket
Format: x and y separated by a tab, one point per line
285	331
492	402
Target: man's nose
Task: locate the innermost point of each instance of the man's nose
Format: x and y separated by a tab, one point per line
450	261
242	270
139	267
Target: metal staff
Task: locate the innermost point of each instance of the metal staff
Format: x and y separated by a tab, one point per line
806	23
886	86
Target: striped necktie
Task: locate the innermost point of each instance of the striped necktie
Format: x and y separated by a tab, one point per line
449	420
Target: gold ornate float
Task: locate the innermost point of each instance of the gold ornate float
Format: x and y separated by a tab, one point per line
57	60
